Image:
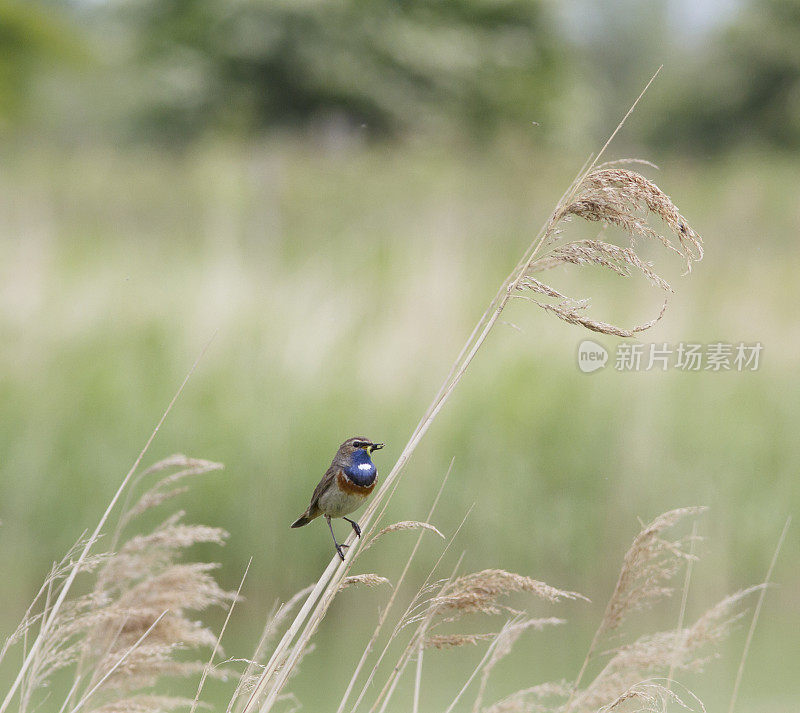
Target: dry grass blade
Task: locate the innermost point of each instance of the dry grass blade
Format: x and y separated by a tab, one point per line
368	580
426	587
754	622
52	583
486	657
684	599
207	669
505	642
275	621
385	611
415	645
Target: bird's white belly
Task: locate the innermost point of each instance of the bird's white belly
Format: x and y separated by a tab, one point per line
336	503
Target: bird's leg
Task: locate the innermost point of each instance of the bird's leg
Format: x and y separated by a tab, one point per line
338	546
356	528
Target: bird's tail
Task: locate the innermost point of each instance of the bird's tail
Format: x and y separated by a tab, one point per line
304	519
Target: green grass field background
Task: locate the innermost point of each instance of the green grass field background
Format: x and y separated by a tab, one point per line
341	281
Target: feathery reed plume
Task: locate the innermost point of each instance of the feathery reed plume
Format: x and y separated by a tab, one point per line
166	488
457	597
629	669
653	696
683	650
127	632
536	699
368	580
452	641
143	704
49	619
618	198
648	564
397	527
479	592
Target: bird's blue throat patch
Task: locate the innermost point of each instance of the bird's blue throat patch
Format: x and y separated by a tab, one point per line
361	470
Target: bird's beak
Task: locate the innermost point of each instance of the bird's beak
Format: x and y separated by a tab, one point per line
376	447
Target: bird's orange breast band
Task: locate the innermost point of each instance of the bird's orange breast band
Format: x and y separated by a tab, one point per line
351	488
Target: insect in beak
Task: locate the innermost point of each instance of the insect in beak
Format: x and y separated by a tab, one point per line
376	447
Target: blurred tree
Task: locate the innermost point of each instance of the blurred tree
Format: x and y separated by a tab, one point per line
386	66
32	39
743	89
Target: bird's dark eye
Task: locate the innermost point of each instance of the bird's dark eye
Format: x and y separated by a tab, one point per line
360	444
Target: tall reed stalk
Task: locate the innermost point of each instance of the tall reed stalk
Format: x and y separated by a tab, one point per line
604	194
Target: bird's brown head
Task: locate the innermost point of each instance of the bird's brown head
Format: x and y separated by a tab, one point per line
351	445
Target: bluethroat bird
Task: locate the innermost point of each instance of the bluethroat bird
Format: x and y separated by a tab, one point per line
344	487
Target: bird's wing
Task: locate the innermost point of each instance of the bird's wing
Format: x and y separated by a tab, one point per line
323	485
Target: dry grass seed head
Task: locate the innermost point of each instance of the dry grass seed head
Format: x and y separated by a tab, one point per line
687	649
535	699
625	199
648	564
479	591
163	490
368	580
452	641
653	696
399	526
146	704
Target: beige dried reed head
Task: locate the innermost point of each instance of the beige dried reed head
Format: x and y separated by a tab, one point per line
136	624
367	580
542	698
399	527
479	592
611	196
649	563
626	675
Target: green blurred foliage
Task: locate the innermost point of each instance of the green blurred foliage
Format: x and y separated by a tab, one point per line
33	40
170	71
742	89
389	66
